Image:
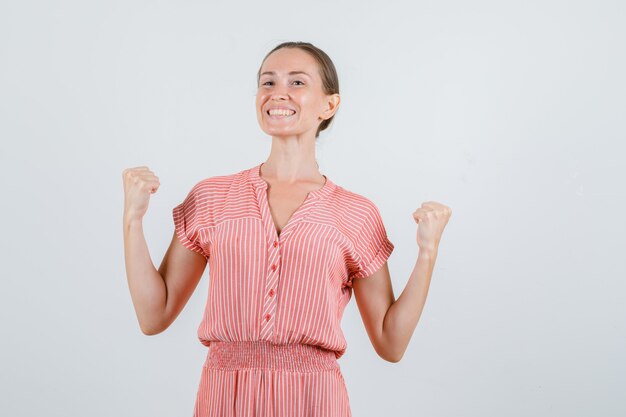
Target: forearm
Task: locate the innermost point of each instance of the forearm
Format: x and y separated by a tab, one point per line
147	287
403	315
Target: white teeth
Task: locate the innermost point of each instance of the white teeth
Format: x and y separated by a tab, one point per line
281	112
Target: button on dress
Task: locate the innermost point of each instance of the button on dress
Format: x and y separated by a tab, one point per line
275	300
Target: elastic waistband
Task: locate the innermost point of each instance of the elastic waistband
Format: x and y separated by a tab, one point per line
266	355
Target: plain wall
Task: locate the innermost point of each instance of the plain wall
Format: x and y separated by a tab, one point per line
511	113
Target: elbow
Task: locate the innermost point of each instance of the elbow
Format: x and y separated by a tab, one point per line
393	358
153	324
151	329
390	355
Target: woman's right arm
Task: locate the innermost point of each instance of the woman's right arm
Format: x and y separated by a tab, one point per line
158	295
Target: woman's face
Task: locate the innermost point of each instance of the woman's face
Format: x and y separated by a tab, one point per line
290	80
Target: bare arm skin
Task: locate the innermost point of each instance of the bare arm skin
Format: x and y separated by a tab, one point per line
390	323
159	295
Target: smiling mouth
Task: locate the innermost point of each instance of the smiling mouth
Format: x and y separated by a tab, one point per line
280	115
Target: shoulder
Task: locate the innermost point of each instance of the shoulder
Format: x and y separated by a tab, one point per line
216	185
354	210
354	203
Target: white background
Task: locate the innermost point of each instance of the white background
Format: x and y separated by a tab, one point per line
510	112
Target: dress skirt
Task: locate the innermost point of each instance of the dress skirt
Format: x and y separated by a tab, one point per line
261	379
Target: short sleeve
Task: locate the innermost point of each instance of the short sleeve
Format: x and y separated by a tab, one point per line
372	245
187	216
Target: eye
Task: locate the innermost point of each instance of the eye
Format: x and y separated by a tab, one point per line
296	81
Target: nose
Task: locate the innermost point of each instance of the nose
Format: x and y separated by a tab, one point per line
279	96
280	92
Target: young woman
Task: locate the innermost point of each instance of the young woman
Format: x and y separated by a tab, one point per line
286	247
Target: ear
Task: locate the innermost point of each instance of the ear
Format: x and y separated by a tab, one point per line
332	105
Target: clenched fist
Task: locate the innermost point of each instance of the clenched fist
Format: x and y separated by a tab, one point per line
431	219
139	183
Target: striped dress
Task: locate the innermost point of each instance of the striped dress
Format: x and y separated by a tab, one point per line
275	300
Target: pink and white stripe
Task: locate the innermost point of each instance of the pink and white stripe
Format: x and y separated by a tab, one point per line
277	295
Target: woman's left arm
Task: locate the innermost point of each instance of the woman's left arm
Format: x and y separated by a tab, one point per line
390	323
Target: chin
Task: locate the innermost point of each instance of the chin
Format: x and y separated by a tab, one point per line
281	132
278	134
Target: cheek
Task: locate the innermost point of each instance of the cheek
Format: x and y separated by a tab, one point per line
312	106
260	100
304	100
258	108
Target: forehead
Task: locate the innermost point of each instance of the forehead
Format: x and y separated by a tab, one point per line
286	60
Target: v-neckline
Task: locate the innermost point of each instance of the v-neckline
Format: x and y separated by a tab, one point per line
262	187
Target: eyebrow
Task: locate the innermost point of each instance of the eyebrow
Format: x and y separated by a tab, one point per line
291	73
